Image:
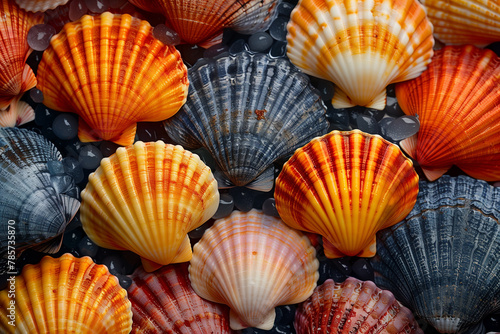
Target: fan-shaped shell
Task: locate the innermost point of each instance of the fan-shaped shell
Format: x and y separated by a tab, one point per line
40	5
165	302
253	263
202	21
474	22
353	306
112	72
362	46
146	198
32	203
460	127
442	261
346	186
248	110
16	76
67	295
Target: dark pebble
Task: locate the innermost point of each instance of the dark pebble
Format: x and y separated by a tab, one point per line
72	238
260	42
339	116
328	270
125	281
77	8
190	53
403	127
384	123
285	314
55	167
116	3
34	59
151	131
73	148
87	247
285	8
368	124
216	51
343	264
108	148
391	90
44	116
243	198
226	206
166	35
89	157
198	232
269	207
495	47
39	36
36	95
492	323
362	269
278	49
97	6
65	126
62	183
206	157
115	264
131	261
392	107
239	46
277	30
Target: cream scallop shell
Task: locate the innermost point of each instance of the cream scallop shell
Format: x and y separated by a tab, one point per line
362	46
253	263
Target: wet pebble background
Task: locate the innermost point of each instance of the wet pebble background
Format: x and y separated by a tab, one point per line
81	159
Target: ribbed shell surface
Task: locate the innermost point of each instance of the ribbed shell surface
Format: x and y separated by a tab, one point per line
443	260
361	46
113	73
40	5
248	110
164	302
346	186
457	101
353	306
67	295
253	263
146	198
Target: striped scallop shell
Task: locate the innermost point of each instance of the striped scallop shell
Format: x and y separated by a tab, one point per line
346	186
253	263
16	77
40	5
362	46
146	198
442	260
67	295
165	302
474	22
353	306
460	127
113	73
248	111
202	21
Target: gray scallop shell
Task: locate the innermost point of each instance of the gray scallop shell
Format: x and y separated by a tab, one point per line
30	198
248	111
443	260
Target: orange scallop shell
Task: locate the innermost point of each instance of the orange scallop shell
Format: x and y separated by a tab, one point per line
474	22
16	77
67	295
112	72
202	21
457	100
346	186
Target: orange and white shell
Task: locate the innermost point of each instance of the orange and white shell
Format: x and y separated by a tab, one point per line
113	73
146	198
457	100
16	77
40	5
353	306
66	295
474	22
346	186
361	46
202	21
164	302
253	263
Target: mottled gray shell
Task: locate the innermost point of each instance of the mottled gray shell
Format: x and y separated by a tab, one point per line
443	260
248	111
29	198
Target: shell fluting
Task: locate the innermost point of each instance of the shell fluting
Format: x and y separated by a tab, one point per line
474	22
67	295
361	46
248	111
253	263
460	127
165	302
442	259
346	186
146	198
113	73
353	306
40	5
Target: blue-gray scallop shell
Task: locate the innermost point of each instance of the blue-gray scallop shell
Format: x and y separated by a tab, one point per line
248	110
443	260
32	202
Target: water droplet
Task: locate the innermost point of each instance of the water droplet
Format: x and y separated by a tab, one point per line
166	35
39	36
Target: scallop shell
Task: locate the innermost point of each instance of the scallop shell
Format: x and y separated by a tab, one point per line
362	46
248	110
112	72
442	261
165	302
474	22
17	113
353	306
253	263
202	21
460	127
40	5
146	198
67	295
16	77
346	186
29	195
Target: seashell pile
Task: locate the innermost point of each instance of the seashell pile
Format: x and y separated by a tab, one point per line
250	166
